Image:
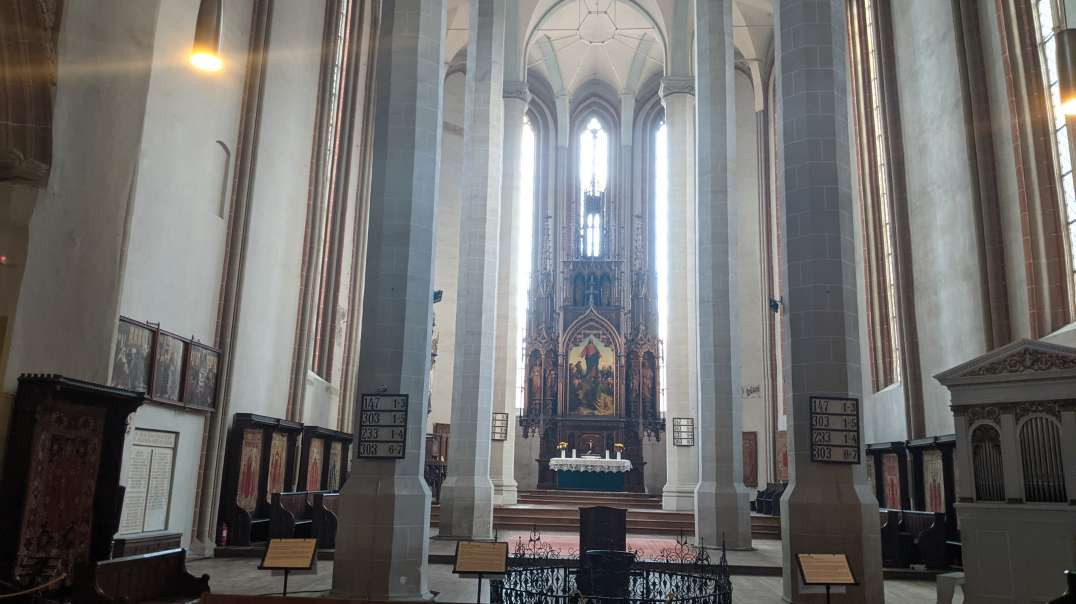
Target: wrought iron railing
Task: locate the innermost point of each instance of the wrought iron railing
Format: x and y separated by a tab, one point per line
540	574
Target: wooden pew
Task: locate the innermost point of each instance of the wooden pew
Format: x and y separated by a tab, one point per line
248	528
913	537
323	516
894	554
141	578
289	515
930	542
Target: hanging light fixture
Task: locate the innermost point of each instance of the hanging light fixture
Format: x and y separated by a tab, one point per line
1066	69
205	54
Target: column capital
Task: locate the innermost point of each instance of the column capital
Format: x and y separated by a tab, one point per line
518	91
671	85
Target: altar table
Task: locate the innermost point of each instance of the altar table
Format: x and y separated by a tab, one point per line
590	474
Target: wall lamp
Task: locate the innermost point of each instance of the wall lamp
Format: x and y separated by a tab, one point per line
1066	69
205	54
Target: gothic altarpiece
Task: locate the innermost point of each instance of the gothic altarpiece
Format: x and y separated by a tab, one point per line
592	354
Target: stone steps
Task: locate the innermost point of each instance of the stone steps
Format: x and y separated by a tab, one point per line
559	511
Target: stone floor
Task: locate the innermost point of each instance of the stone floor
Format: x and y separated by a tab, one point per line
241	575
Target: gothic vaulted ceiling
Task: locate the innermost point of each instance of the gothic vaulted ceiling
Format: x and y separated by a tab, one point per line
621	42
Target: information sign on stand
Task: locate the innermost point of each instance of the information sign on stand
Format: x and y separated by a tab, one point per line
481	559
289	555
383	426
825	570
835	434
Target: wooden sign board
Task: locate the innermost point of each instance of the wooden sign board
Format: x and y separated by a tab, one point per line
383	426
481	558
289	554
825	569
835	434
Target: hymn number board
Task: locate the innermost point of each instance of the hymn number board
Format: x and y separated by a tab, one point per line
834	430
383	426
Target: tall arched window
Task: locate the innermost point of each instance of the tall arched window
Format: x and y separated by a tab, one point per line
593	176
527	164
1044	10
875	171
661	239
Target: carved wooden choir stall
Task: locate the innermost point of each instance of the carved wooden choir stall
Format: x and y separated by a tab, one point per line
61	496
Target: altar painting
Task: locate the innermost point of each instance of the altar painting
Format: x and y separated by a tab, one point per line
592	378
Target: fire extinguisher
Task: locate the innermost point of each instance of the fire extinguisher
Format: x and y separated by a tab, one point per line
223	541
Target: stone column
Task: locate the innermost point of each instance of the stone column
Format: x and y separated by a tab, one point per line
722	503
681	358
385	506
827	507
467	493
509	353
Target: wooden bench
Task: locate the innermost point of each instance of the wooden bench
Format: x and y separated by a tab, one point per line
914	537
768	501
323	514
289	515
248	528
160	576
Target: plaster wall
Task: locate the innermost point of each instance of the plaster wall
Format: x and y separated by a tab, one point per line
179	218
185	468
72	250
267	320
446	260
941	209
1005	176
750	303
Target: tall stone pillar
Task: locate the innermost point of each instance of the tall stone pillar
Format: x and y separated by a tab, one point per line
722	503
681	360
827	507
467	493
382	539
509	355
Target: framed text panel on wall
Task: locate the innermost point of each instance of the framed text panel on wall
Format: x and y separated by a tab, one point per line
835	434
499	426
684	431
148	497
383	426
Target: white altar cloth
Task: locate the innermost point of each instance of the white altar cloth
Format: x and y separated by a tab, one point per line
580	464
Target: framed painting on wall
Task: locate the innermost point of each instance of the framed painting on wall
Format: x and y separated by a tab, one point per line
200	382
133	355
782	456
750	459
168	367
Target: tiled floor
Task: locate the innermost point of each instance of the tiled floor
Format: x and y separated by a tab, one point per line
241	575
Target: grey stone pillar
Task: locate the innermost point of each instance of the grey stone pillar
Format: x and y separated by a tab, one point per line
385	505
509	353
467	493
722	502
681	359
827	507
